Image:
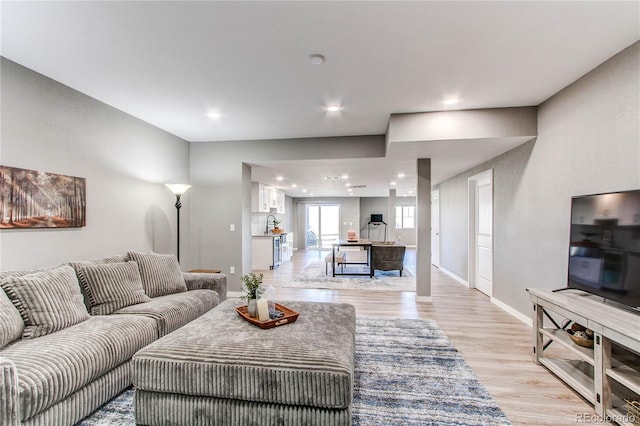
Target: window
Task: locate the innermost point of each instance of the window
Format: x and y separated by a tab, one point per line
405	217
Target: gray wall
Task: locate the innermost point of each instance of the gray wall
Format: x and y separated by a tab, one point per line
220	188
588	142
405	236
369	205
49	127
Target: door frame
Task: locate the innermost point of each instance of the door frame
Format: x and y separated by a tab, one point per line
435	260
473	211
306	221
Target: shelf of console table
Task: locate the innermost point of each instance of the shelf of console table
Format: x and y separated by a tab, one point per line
607	375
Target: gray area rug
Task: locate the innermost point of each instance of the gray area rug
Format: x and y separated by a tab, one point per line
314	276
406	373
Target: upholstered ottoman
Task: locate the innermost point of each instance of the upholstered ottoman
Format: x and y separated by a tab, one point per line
221	370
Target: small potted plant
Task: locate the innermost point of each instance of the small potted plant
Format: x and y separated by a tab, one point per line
276	228
251	284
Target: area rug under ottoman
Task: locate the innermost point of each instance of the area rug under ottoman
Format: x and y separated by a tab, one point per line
219	369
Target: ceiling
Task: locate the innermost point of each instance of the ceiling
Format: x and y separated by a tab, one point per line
171	63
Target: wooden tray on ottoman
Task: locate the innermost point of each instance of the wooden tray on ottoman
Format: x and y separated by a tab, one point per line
289	317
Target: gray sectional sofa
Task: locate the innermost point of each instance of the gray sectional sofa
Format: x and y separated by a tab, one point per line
68	333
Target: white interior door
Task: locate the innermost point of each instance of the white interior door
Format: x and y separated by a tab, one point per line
435	228
482	186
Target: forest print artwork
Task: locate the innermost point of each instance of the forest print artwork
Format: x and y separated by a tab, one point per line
31	199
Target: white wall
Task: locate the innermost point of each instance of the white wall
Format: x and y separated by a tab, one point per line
588	142
49	127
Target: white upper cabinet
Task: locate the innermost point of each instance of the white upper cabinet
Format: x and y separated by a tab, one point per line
280	199
630	214
584	211
265	197
259	198
608	206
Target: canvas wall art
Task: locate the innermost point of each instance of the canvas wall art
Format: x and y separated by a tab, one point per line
32	199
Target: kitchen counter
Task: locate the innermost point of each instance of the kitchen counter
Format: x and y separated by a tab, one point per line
269	251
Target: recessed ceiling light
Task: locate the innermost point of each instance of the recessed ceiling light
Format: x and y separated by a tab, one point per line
347	184
345	176
392	183
214	115
316	59
279	178
304	190
451	101
400	175
334	108
294	185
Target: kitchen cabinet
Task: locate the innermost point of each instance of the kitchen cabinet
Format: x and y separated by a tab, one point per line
629	215
608	206
259	200
262	253
264	198
269	251
583	211
280	200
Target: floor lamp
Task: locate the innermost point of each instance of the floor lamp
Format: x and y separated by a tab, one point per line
178	189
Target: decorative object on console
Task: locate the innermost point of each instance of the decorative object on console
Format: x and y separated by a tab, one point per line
581	335
34	199
352	235
178	189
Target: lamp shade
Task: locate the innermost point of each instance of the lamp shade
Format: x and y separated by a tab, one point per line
178	188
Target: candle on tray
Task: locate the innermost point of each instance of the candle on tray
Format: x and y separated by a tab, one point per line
263	309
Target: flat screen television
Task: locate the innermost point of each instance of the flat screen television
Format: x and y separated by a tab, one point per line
604	247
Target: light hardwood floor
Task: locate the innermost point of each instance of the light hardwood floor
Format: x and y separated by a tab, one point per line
494	344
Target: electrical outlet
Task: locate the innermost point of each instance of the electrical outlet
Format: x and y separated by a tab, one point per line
232	269
232	227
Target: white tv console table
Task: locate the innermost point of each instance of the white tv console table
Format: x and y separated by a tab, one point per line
609	374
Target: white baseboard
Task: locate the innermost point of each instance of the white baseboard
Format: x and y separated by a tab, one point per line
508	309
424	299
454	276
234	294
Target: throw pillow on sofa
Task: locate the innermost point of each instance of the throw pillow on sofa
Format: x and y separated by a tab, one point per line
48	301
111	286
11	324
161	274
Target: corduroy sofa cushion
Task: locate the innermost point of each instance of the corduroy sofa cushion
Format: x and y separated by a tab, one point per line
161	274
175	310
48	301
55	366
111	286
11	324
